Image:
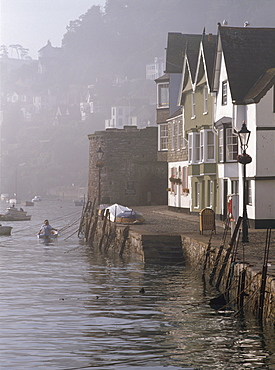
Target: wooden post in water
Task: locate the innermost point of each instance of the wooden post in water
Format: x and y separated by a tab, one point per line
125	237
228	252
103	229
264	275
241	292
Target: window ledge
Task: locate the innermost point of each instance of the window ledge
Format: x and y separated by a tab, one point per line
193	117
205	113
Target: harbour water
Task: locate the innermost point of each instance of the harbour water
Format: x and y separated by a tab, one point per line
65	306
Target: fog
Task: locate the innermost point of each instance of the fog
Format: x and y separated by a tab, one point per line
51	100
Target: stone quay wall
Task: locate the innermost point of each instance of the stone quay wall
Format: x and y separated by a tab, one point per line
130	172
238	282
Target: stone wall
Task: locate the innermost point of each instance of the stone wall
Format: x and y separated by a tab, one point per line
131	174
239	284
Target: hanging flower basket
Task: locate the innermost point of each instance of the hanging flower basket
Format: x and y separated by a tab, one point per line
175	180
185	190
244	158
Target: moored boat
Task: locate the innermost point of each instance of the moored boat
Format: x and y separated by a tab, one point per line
28	203
123	215
37	198
15	214
79	202
5	230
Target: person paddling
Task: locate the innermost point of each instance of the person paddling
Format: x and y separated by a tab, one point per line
46	229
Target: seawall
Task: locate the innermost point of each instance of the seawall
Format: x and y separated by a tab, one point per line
242	285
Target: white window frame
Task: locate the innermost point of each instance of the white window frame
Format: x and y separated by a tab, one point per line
163	137
174	135
224	92
197	195
193	105
190	147
202	146
205	99
211	193
163	99
179	134
221	145
231	145
209	146
194	147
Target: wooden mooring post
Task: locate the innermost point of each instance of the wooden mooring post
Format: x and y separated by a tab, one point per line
228	252
264	275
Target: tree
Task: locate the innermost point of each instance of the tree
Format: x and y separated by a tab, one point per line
4	51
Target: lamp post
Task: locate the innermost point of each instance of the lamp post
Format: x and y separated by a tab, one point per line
244	159
99	165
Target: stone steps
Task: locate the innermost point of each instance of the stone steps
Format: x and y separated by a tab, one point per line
162	249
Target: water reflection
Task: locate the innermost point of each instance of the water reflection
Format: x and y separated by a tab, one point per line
65	306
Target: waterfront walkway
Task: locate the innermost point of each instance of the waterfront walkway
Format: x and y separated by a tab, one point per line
160	220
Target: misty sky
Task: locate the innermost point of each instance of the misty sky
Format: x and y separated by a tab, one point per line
31	23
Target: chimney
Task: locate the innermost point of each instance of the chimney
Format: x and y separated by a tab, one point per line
209	38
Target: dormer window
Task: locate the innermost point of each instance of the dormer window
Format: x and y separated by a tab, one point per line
163	95
224	92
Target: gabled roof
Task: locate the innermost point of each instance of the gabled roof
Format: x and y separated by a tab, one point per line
163	78
192	53
177	44
177	113
205	63
209	46
261	87
199	61
248	53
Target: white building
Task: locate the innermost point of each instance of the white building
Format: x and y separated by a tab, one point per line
244	78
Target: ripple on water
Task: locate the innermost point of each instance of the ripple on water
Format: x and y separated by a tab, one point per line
64	306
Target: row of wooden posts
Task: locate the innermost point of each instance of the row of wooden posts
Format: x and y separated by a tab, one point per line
224	263
223	267
108	234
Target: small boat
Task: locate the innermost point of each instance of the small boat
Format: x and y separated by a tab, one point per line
54	235
124	215
5	230
79	202
130	217
28	203
37	198
15	214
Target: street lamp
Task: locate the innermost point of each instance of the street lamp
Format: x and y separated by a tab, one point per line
244	159
99	165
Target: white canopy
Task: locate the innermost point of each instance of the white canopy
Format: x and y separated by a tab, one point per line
115	209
